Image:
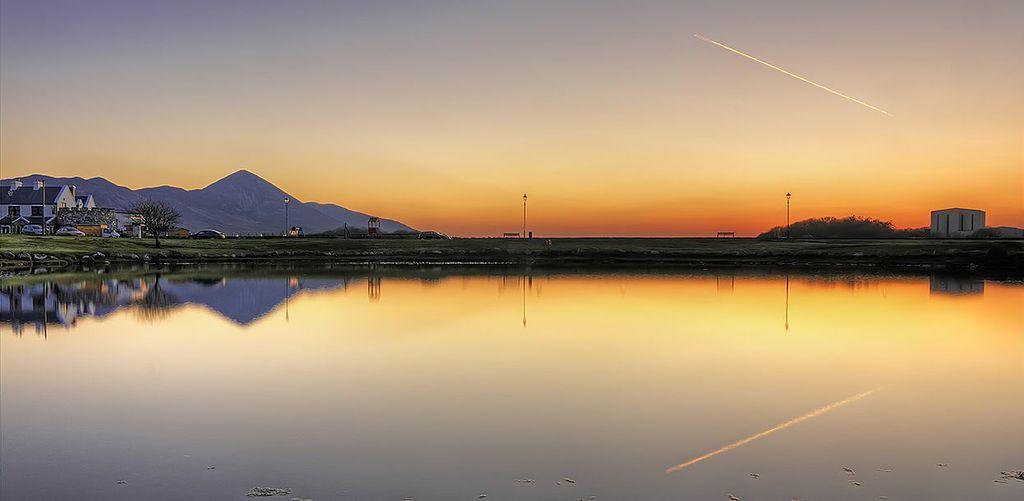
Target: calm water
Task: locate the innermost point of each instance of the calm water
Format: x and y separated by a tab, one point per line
434	385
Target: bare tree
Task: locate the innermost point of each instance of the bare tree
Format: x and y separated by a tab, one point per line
157	216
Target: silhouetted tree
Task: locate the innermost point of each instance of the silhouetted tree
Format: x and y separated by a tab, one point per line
157	216
847	227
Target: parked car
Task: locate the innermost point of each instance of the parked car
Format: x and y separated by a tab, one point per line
109	233
207	234
69	231
432	235
32	229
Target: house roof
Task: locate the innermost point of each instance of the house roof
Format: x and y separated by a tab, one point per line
957	208
28	195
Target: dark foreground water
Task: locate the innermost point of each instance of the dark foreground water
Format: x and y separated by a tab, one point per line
390	384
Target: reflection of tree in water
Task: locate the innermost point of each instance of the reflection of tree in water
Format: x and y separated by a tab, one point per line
155	303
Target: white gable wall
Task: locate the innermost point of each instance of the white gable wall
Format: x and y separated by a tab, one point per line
956	222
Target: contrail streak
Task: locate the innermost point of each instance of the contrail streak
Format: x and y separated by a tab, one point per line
767	432
794	75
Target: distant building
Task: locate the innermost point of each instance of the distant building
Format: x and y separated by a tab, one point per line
128	223
176	232
956	222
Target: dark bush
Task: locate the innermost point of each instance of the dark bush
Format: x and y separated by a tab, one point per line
847	227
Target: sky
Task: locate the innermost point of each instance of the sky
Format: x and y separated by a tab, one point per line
612	116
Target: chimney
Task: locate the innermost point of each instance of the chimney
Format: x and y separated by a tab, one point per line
39	184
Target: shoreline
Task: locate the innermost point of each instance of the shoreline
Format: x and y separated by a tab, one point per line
21	254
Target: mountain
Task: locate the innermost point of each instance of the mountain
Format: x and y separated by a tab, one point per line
241	203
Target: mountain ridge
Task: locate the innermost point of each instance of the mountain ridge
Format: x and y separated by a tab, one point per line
240	203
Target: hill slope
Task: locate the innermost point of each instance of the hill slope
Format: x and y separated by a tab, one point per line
241	203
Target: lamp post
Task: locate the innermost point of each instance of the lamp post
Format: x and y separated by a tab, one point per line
286	200
788	195
524	215
42	208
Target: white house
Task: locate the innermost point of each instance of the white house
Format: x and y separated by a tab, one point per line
128	223
956	222
84	201
36	204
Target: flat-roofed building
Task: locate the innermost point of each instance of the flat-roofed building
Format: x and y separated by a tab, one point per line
956	222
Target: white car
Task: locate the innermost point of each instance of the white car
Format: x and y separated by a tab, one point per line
32	229
109	233
69	231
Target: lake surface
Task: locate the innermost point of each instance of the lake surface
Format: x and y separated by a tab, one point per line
441	384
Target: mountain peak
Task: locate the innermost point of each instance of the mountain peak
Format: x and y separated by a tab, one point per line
242	179
239	175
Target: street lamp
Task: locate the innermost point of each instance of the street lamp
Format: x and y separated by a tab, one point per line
524	215
286	200
788	195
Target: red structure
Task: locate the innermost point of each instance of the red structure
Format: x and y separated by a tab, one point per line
373	227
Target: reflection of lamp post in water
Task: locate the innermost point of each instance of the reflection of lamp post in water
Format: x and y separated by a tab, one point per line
524	300
787	301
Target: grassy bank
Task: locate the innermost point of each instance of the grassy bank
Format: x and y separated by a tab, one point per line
21	252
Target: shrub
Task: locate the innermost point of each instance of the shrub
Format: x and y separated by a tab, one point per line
847	227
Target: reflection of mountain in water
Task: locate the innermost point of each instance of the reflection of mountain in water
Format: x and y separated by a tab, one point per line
245	295
243	300
246	300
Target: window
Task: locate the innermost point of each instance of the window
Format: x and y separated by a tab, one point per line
63	204
14	210
37	210
962	225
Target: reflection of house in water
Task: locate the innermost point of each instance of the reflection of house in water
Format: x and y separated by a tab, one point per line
373	288
46	303
242	300
953	285
725	284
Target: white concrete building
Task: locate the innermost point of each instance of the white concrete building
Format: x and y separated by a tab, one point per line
956	222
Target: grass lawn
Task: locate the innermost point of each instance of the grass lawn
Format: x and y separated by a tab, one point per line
539	250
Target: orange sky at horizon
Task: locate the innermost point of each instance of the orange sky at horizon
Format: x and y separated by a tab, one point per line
614	119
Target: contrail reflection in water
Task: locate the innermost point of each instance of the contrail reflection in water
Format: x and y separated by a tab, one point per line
787	424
